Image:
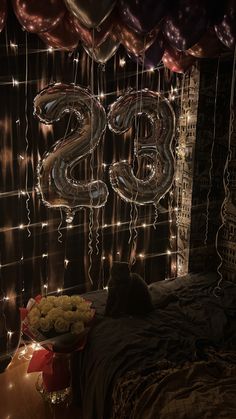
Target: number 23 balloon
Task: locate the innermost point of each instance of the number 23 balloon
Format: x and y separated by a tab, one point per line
56	184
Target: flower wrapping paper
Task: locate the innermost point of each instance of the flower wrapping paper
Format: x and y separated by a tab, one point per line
53	360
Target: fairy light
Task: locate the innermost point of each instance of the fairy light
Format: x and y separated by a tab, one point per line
50	49
21	157
6	298
36	346
105	225
103	257
101	95
118	253
76	60
45	286
168	252
23	193
105	288
44	225
122	62
69	226
144	225
15	82
44	255
59	290
141	255
13	45
9	334
21	226
118	223
66	261
104	164
151	69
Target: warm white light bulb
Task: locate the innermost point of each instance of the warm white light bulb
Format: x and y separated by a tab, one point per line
122	62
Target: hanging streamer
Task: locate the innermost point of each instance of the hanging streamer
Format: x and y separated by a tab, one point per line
211	157
218	290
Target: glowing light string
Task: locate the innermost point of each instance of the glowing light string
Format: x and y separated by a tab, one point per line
211	155
218	290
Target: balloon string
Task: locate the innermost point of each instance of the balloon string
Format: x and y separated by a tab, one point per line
91	211
226	180
156	216
26	135
90	244
59	238
211	156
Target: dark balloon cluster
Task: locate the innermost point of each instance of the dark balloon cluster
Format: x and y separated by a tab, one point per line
176	32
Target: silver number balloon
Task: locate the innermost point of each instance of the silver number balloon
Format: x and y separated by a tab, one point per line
56	184
155	147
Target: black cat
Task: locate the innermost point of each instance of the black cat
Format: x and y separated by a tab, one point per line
128	293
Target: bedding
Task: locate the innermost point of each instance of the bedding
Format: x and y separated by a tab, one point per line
169	363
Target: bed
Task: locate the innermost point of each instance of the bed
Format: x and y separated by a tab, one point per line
177	362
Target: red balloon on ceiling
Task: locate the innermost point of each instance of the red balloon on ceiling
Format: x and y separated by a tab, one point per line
64	36
177	61
39	15
208	46
134	42
226	29
3	13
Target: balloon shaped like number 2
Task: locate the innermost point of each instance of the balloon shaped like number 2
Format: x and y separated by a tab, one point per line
155	147
56	184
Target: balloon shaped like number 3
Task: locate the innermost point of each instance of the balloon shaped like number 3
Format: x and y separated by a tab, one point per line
155	147
56	184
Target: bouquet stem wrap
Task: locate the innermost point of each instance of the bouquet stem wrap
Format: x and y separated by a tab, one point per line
55	368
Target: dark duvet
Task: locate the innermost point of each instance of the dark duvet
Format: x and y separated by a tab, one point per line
177	362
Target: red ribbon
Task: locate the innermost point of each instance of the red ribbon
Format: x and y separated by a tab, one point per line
55	369
41	361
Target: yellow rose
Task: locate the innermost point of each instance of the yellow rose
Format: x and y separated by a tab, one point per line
51	299
34	322
83	306
77	327
54	313
76	299
45	324
62	299
69	315
61	325
66	305
46	307
34	312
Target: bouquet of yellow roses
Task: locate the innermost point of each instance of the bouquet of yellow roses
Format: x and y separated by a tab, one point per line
60	324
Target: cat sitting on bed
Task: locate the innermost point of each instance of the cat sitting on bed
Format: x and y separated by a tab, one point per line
128	293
